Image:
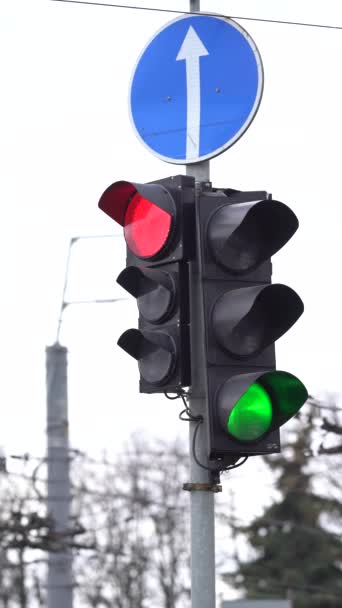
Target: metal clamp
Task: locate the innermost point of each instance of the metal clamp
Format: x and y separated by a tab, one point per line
202	487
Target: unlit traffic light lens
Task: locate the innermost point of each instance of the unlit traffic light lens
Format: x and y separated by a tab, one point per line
154	351
243	235
146	227
154	289
251	416
247	320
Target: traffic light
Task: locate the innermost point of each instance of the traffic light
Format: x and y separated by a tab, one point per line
155	218
244	314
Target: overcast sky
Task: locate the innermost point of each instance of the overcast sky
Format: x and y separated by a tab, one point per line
65	135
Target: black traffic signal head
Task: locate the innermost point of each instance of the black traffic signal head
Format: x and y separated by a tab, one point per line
155	218
244	315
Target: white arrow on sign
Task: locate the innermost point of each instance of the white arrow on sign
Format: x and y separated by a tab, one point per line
191	50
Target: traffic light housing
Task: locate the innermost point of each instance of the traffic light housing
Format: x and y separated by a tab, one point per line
157	220
210	253
243	315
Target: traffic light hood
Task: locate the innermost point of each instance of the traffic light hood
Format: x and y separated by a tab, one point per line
247	320
243	235
154	351
116	198
154	289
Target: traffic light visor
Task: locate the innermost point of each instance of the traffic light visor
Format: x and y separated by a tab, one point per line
154	351
251	405
146	212
243	235
154	289
247	320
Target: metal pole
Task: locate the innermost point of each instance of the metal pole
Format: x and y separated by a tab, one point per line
201	496
202	500
59	585
194	5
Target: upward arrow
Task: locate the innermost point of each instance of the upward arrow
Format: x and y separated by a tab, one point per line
192	48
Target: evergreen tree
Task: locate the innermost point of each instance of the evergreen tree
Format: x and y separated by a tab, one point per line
294	555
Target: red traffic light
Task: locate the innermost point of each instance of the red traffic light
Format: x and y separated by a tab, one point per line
146	227
146	212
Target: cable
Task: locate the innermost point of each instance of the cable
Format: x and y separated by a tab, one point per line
212	469
191	418
299	23
235	466
168	396
194	450
138	8
326	407
183	395
203	13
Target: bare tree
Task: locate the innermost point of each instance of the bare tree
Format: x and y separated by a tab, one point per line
331	422
23	532
136	514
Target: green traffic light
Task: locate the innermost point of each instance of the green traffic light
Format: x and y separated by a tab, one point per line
251	415
267	403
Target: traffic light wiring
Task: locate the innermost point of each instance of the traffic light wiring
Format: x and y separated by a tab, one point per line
199	419
182	395
213	469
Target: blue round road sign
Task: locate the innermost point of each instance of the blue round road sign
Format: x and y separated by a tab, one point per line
195	89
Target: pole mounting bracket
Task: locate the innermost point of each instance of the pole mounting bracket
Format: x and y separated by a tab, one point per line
202	487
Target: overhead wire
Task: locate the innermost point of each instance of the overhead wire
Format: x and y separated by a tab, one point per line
88	460
203	13
119	496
